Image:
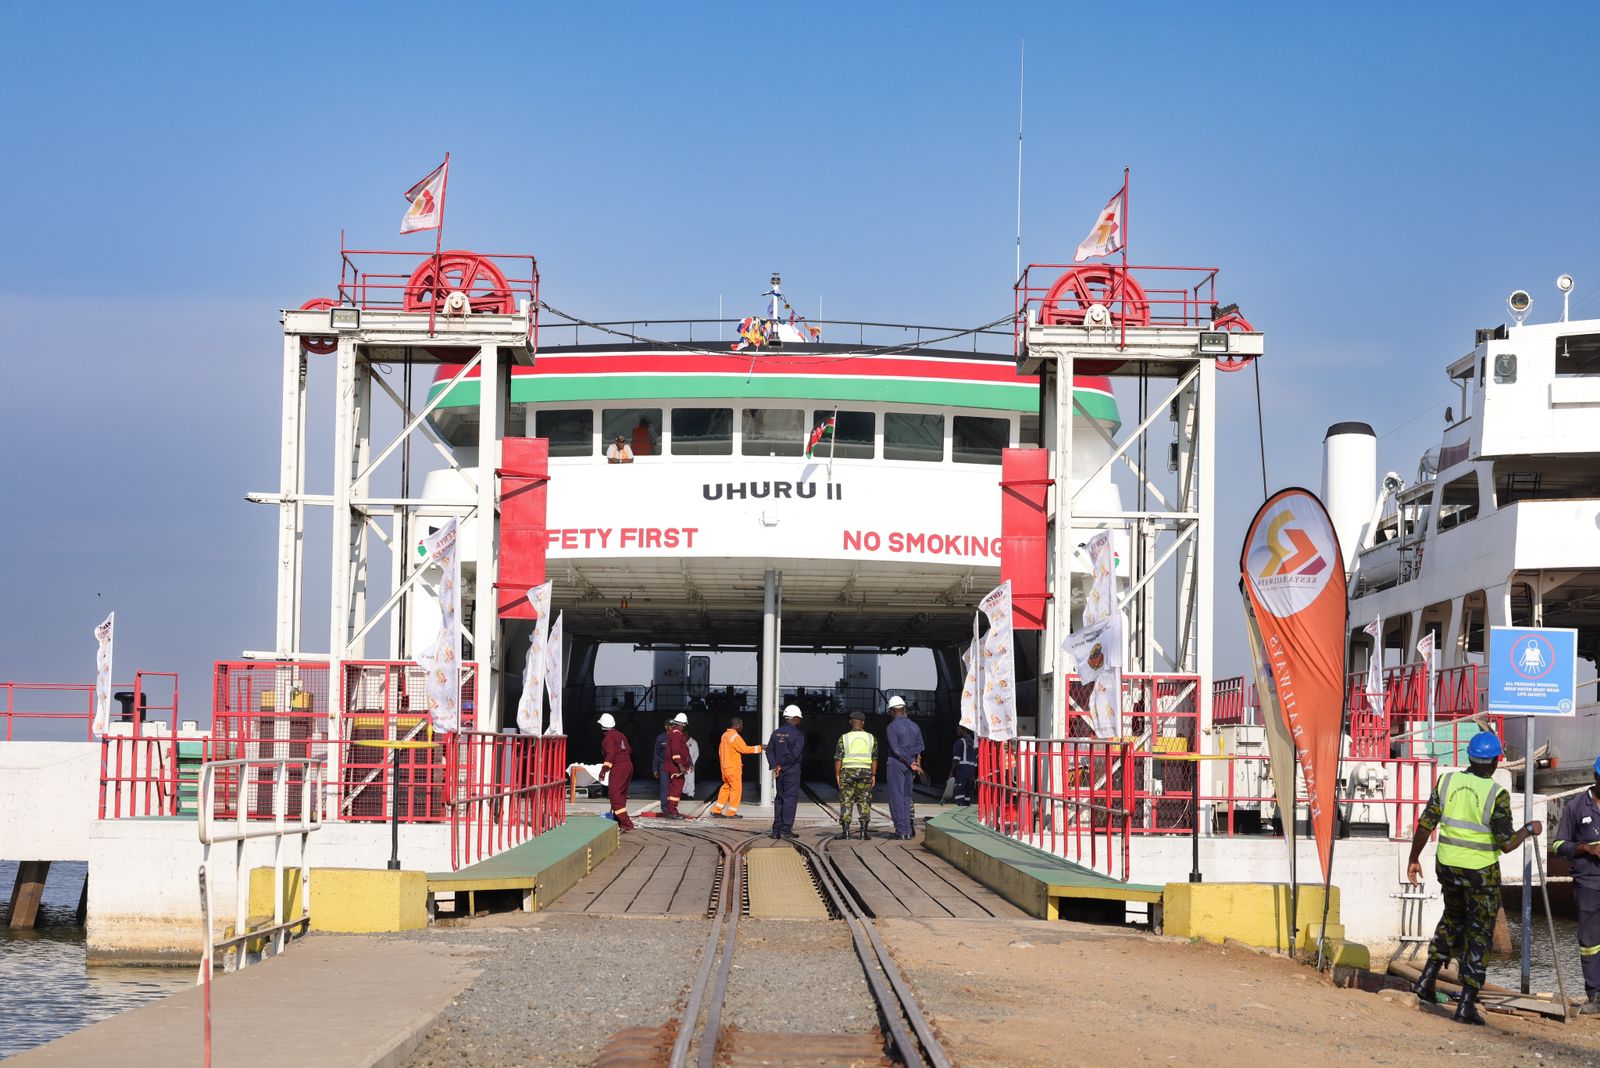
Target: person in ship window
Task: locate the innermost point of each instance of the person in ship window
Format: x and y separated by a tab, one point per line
644	441
618	452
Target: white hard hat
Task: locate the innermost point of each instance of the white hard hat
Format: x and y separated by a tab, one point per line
608	721
792	712
897	701
681	718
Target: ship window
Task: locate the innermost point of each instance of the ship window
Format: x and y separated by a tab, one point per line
975	439
1458	502
639	427
852	434
702	431
571	431
773	432
1578	354
913	437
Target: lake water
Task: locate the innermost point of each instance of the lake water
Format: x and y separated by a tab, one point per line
45	989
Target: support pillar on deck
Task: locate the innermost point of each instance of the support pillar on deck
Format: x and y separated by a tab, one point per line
771	609
28	892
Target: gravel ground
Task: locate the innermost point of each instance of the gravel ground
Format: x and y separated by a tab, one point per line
1025	994
555	987
797	976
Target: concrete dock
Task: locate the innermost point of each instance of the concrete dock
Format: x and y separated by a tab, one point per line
279	1012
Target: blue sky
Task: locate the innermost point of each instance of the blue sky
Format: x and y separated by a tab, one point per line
1372	180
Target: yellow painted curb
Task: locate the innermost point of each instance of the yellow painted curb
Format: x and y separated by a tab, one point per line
350	900
1256	914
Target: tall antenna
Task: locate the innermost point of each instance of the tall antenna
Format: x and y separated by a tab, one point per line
1022	71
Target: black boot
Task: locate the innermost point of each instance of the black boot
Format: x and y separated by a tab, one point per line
863	830
1425	987
844	829
1591	1007
1467	1011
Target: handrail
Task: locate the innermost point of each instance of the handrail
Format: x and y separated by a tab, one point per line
238	829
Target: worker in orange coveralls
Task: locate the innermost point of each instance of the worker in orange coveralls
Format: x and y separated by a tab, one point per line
731	751
675	764
618	757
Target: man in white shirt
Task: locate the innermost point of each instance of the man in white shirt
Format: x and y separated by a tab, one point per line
618	452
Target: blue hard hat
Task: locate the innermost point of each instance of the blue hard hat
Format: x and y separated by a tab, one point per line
1597	767
1484	746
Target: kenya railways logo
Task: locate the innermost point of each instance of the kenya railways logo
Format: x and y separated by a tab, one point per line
1290	560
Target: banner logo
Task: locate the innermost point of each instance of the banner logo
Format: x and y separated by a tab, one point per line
1289	558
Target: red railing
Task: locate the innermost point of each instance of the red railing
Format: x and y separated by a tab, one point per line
387	701
30	703
1398	726
147	768
505	789
1228	701
1061	293
1068	797
265	711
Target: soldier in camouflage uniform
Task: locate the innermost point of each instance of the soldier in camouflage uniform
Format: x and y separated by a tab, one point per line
855	771
1473	815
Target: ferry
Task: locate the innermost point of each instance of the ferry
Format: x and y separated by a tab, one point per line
688	459
1497	525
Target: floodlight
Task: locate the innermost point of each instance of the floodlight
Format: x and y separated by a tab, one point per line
1213	342
1564	283
1520	304
344	318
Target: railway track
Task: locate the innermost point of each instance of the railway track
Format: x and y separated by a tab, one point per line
905	1035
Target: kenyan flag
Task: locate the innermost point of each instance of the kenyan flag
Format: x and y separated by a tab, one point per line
822	433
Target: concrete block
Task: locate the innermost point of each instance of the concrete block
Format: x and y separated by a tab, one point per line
260	901
1256	914
364	901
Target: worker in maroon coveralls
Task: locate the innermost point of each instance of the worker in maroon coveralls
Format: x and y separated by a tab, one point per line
618	757
676	764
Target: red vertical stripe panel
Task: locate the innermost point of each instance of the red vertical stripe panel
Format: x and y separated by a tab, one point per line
1024	482
524	482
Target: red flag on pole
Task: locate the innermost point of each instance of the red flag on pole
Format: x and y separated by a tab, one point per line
426	200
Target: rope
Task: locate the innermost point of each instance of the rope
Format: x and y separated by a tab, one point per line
1261	430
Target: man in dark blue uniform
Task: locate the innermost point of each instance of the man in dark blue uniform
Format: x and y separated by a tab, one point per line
964	765
905	763
1577	838
658	758
784	750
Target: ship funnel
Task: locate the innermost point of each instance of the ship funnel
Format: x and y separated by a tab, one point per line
1349	481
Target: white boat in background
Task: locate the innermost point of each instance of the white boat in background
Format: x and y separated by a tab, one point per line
1498	526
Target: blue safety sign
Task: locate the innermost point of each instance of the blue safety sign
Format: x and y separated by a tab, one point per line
1533	671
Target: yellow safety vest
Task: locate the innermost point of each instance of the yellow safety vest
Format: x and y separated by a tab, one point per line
1465	840
858	749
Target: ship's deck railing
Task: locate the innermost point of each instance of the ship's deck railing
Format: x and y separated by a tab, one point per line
401	280
720	335
504	790
1060	294
1070	796
1393	722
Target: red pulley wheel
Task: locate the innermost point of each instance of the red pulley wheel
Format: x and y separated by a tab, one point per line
484	284
320	346
1077	290
1233	322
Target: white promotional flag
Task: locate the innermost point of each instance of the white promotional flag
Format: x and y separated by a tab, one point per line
1096	650
1426	648
102	674
552	677
997	669
1105	237
442	662
1374	685
426	200
970	658
530	709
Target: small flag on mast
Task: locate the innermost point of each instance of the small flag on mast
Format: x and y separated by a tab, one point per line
1107	235
427	201
823	432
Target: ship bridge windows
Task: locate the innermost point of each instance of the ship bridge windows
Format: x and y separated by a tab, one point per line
1458	501
1578	354
639	427
908	436
854	434
1539	478
570	430
702	431
772	432
976	439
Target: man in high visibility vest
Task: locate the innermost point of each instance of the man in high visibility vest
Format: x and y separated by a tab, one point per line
1473	815
855	771
731	751
1577	838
